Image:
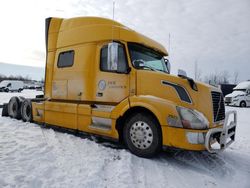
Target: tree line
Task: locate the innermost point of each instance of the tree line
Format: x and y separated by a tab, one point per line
216	78
11	77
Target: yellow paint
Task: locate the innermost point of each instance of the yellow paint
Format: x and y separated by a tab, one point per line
71	93
61	114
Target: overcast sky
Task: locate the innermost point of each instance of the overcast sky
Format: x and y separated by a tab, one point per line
214	33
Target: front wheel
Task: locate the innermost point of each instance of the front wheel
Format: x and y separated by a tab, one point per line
243	104
142	135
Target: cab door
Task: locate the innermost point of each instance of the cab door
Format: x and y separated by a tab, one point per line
111	87
112	73
248	97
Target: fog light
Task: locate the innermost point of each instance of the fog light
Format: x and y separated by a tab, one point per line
195	138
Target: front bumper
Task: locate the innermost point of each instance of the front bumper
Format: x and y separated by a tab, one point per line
213	140
218	139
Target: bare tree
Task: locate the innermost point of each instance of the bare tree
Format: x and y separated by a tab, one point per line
217	78
224	77
11	77
212	79
236	75
197	72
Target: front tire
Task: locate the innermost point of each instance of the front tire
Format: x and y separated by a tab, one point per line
142	135
243	104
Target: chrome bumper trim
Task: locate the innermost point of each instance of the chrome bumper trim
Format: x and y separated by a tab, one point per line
222	136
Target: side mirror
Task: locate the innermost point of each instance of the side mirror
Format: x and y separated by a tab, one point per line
182	73
112	56
138	64
168	65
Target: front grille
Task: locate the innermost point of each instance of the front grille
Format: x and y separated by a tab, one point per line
228	99
218	106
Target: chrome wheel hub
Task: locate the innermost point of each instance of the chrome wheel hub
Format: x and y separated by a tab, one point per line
141	135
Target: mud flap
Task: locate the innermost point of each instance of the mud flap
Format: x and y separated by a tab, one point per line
218	139
5	110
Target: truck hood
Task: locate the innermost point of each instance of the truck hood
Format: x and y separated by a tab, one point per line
166	86
235	93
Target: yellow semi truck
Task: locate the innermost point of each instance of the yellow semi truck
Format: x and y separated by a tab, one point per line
105	79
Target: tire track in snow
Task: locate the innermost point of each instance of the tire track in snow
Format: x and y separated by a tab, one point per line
107	167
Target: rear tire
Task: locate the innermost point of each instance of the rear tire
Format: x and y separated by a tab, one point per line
243	104
5	110
14	107
142	135
26	111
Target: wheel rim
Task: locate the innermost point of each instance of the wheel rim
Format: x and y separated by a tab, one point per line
141	135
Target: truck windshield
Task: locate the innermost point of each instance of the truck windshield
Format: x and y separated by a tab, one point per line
153	60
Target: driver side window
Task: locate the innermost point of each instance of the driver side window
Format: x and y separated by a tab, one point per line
109	65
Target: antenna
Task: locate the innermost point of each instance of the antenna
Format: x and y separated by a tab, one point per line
113	10
113	20
169	45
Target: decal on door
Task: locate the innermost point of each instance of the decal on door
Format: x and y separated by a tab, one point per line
102	85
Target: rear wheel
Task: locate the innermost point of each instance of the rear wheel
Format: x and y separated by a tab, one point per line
14	107
243	104
142	135
26	110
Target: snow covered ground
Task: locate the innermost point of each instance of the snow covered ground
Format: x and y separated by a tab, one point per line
31	156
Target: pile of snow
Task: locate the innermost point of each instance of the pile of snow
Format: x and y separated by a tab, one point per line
243	85
235	93
31	156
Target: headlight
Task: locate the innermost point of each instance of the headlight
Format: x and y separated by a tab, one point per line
192	119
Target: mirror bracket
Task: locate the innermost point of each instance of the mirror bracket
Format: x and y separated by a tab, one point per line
183	74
